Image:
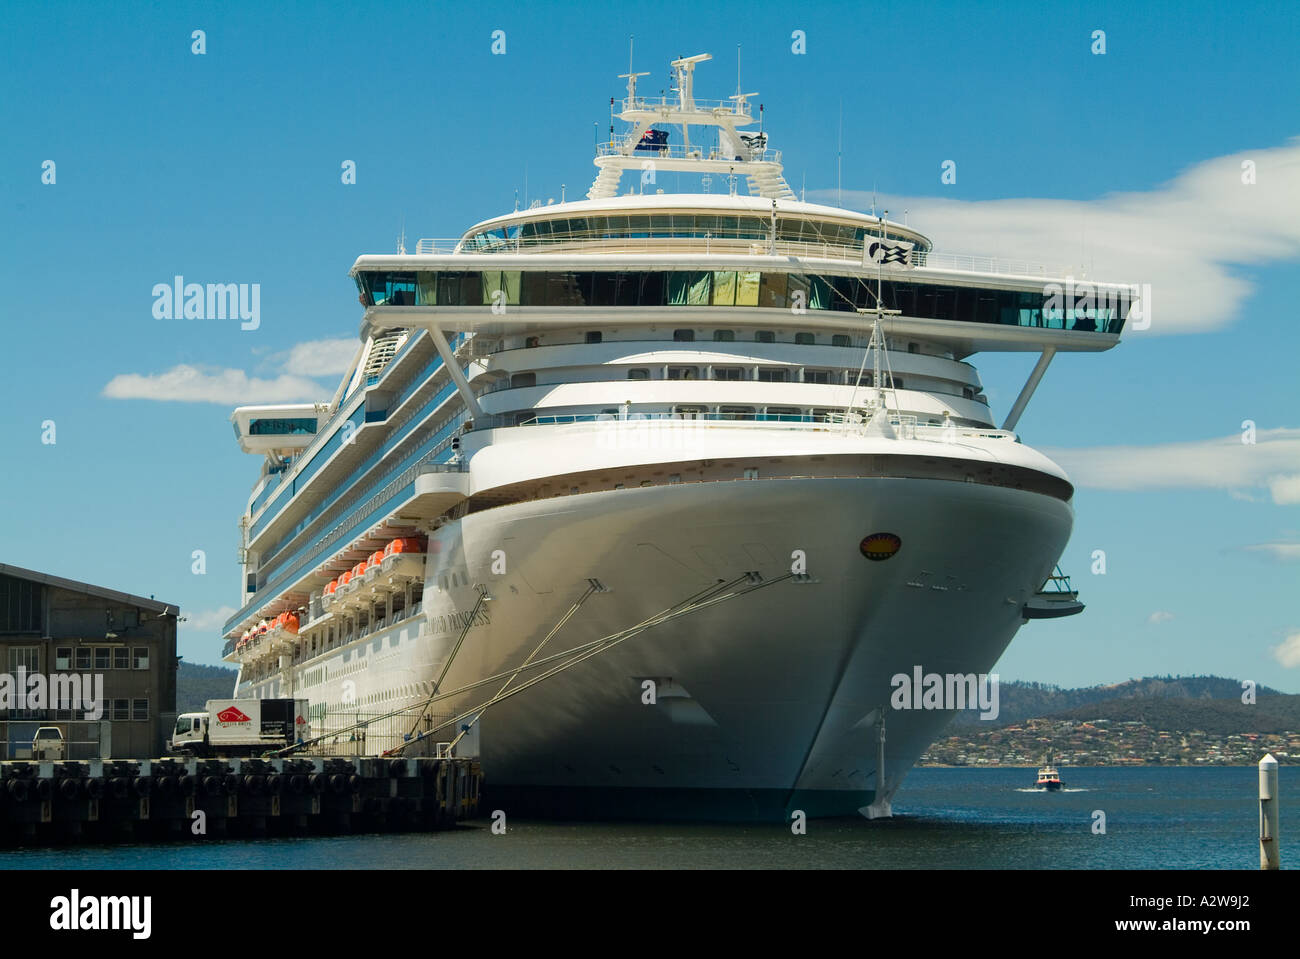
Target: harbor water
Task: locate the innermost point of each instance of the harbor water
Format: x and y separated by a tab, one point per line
1162	817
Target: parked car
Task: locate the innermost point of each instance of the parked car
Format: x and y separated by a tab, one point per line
48	744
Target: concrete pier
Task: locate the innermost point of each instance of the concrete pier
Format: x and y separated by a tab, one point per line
139	800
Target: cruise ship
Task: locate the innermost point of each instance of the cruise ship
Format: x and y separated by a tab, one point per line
644	498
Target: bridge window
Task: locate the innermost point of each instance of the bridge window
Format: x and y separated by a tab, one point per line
305	426
841	339
523	379
747	289
724	336
689	289
594	336
728	373
817	376
741	288
773	374
638	374
683	373
804	339
764	336
684	336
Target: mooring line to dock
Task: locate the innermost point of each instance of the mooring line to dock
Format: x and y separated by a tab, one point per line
574	655
591	589
606	643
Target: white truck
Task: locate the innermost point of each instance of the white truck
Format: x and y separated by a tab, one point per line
241	727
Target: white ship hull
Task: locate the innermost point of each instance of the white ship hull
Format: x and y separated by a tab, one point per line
766	703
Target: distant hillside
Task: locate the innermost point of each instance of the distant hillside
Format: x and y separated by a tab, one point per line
196	684
1217	717
1019	701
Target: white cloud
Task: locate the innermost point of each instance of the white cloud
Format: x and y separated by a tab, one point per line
1282	552
1272	462
1288	651
1159	616
209	619
1192	239
320	357
192	384
1285	489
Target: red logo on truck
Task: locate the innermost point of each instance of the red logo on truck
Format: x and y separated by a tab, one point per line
300	721
232	715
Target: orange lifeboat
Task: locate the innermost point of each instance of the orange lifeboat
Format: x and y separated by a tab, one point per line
404	556
291	623
345	578
329	588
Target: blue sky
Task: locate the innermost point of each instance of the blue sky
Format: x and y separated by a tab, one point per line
225	167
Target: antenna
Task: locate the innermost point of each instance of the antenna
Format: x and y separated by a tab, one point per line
630	77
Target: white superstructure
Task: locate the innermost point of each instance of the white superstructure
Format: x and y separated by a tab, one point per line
715	465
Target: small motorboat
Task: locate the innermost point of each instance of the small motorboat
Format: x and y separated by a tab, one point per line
1048	777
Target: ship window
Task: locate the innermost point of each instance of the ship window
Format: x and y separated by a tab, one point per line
736	412
683	373
773	374
689	412
501	287
639	373
747	289
797	291
83	657
63	658
804	339
840	339
689	289
782	413
523	379
728	373
684	336
532	342
772	290
724	336
724	288
817	376
594	336
282	427
764	336
121	658
751	472
102	658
